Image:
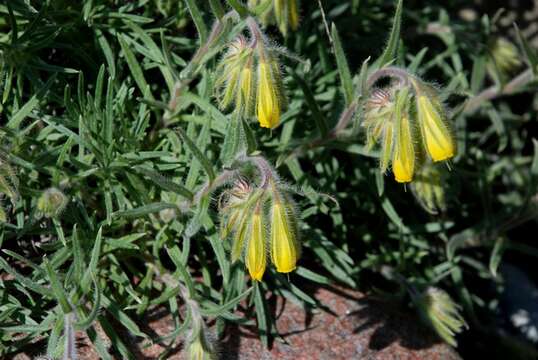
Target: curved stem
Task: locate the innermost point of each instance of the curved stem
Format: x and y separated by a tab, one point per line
390	71
267	174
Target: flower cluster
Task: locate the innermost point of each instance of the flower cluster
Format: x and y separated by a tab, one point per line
503	58
51	203
261	220
249	80
409	121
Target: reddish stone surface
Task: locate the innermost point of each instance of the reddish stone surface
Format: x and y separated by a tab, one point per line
358	328
352	326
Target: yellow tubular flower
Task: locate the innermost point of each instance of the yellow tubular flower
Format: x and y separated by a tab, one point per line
403	163
255	259
267	102
437	138
284	250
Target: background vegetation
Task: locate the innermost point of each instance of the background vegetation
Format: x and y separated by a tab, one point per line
86	90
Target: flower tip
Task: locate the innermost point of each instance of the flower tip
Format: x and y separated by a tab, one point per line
442	154
403	178
286	269
257	275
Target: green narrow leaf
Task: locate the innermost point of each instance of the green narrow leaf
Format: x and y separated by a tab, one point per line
529	52
57	288
59	230
108	125
393	215
88	321
107	51
115	339
478	74
496	255
144	210
99	344
40	289
241	9
204	161
343	66
217	8
534	166
78	256
108	203
98	94
136	69
251	144
231	143
261	314
92	267
392	46
198	20
175	255
313	105
165	183
30	105
262	7
54	337
219	310
112	307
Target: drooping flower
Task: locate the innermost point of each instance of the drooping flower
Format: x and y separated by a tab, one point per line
403	162
256	253
285	249
436	134
268	101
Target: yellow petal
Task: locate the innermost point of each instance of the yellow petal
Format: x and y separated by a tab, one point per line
255	259
403	164
435	132
283	246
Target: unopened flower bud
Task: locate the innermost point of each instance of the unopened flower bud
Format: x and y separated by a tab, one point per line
427	187
201	348
441	313
236	215
286	15
235	82
52	202
504	56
